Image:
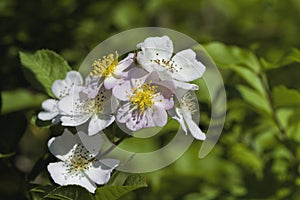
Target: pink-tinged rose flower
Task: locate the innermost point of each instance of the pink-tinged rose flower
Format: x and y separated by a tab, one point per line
144	101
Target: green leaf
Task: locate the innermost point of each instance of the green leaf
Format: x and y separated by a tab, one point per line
39	192
250	77
43	189
258	102
246	158
225	56
136	179
285	97
20	99
47	67
291	56
118	178
70	192
111	192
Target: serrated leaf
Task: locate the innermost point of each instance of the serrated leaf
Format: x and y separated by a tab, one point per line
47	66
43	189
136	179
39	192
11	100
285	97
291	56
250	77
225	56
70	192
111	192
247	158
258	102
118	178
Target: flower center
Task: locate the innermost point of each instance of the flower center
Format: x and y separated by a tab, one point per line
95	105
170	65
143	96
188	102
78	161
105	66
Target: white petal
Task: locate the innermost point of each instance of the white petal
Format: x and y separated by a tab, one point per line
160	116
58	172
92	143
188	68
108	106
71	105
82	181
136	73
139	81
123	113
114	104
61	88
186	86
61	146
75	120
166	84
125	63
47	115
137	121
73	78
50	105
92	87
176	114
111	81
97	124
154	48
164	103
51	109
122	91
193	127
99	173
60	176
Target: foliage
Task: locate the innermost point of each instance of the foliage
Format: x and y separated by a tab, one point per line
258	154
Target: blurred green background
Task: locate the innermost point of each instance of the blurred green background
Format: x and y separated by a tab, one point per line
252	160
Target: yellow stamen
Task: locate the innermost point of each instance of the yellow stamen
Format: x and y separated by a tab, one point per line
105	66
78	162
142	96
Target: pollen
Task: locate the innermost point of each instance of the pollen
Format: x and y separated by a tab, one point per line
170	65
143	96
106	66
188	102
96	105
79	161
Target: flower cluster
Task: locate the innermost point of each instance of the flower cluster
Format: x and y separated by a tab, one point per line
139	91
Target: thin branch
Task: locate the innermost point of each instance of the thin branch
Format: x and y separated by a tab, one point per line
266	87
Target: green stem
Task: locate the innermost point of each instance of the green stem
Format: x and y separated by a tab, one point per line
266	87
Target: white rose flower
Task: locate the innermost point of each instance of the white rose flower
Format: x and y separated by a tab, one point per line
79	165
157	55
60	89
